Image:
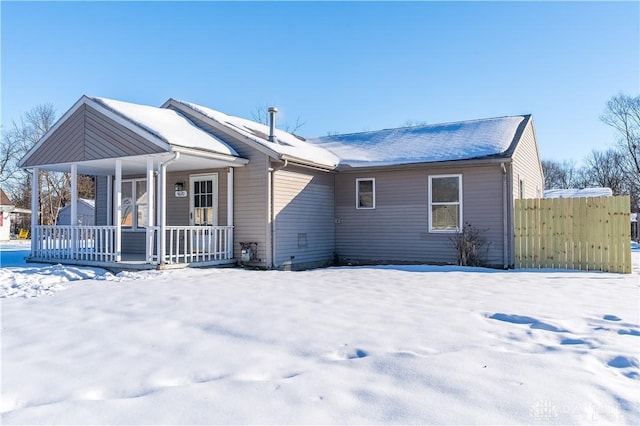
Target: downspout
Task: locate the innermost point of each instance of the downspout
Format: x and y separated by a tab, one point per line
272	210
505	229
162	206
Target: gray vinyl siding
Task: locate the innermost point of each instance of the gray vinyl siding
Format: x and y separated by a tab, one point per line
304	217
526	166
398	228
251	189
250	208
178	208
89	135
101	200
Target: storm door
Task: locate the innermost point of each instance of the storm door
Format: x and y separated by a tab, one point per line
204	212
204	200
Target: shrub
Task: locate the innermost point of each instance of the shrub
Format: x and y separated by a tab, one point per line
471	246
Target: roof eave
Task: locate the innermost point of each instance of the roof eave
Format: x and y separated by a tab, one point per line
232	159
449	163
303	162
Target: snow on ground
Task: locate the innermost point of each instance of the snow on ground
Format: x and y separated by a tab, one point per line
393	344
19	280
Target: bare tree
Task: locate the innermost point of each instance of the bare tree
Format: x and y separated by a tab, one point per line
623	114
260	114
559	174
604	169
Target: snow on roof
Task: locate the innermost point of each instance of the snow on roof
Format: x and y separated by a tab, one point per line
86	201
424	144
576	193
168	125
91	203
287	144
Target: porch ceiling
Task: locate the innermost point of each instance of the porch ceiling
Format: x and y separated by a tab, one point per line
138	164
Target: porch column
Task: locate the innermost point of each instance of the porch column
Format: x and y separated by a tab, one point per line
35	209
230	210
110	200
118	211
150	210
74	210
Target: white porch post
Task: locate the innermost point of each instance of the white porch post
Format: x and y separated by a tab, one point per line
35	209
230	210
150	210
110	200
162	211
74	210
118	210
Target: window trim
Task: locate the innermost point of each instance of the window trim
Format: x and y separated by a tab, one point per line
373	190
134	216
459	203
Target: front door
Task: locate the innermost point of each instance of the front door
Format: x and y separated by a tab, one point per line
204	200
204	211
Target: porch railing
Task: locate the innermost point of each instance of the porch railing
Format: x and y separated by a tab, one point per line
191	244
94	243
184	244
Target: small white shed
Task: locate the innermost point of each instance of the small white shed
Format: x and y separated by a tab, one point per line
6	207
86	213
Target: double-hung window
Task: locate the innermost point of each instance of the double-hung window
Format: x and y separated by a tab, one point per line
366	193
445	203
134	203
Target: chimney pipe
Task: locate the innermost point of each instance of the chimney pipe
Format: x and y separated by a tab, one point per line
272	123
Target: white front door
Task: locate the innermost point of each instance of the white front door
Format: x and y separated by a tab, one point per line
204	211
204	200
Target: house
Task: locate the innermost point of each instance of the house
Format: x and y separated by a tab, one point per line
6	208
85	214
183	184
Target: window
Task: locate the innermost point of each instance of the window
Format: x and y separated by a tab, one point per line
445	203
366	193
521	188
134	203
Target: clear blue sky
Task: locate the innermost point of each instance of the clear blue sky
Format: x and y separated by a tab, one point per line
341	66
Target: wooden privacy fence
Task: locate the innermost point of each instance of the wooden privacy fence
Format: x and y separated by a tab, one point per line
573	233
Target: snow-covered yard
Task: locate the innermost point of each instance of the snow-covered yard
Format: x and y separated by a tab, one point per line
406	344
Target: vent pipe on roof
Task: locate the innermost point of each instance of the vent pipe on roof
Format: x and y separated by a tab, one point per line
272	123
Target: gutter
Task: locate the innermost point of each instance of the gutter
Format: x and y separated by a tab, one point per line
450	163
308	164
210	155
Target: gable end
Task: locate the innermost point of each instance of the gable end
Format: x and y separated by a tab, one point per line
88	134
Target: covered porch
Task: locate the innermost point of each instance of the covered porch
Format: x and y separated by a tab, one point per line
143	219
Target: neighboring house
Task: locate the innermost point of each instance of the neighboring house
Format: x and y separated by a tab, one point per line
224	189
6	208
85	213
